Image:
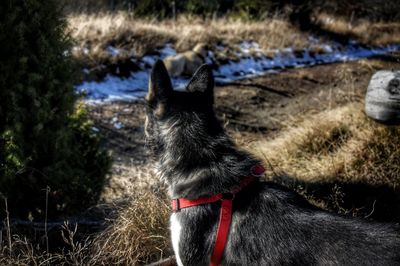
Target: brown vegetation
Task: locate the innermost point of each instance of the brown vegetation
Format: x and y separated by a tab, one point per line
138	37
341	144
139	235
318	133
362	30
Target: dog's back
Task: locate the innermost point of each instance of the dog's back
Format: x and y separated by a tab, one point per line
280	228
270	225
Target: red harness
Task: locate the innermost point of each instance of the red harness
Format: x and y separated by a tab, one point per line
225	215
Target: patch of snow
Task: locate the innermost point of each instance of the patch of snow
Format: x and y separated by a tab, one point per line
85	50
113	51
120	89
220	47
167	50
148	59
248	47
118	125
113	88
210	59
285	58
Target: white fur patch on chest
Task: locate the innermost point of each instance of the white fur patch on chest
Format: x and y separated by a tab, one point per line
175	237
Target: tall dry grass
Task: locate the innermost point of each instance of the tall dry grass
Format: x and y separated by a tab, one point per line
138	235
138	37
341	144
362	30
94	33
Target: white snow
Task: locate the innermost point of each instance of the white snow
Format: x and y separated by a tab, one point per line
247	47
113	51
113	88
168	50
116	123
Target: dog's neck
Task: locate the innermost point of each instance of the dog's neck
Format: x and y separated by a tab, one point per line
195	163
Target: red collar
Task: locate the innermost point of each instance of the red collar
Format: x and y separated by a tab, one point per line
225	212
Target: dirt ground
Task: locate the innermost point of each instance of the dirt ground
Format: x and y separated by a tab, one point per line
250	110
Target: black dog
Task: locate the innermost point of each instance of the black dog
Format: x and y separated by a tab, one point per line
271	225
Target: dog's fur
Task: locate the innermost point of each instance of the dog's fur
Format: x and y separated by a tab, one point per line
271	225
185	64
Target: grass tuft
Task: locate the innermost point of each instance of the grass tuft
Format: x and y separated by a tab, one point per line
341	144
139	235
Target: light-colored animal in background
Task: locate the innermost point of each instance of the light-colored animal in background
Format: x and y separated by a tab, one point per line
188	62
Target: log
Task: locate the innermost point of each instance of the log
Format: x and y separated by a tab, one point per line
382	101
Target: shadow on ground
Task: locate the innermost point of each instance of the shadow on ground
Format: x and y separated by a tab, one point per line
380	203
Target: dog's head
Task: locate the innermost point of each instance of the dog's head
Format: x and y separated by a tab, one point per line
177	119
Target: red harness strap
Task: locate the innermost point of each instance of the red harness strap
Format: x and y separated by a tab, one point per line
225	216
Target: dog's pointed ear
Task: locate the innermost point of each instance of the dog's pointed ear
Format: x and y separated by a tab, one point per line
202	81
160	87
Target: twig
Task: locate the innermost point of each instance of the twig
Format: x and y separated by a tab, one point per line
312	80
170	261
50	225
373	210
45	219
254	85
1	239
8	227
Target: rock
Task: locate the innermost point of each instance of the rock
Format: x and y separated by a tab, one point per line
382	102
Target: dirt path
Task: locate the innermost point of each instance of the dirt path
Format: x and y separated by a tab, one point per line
250	110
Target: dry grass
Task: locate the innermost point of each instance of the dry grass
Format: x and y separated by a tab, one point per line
139	235
136	37
21	251
338	144
139	37
341	144
364	31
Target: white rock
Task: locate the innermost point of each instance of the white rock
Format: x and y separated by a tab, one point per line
382	102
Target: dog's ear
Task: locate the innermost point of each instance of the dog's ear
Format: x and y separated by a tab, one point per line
160	87
202	81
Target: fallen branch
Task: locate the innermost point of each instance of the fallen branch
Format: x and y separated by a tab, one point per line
254	85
